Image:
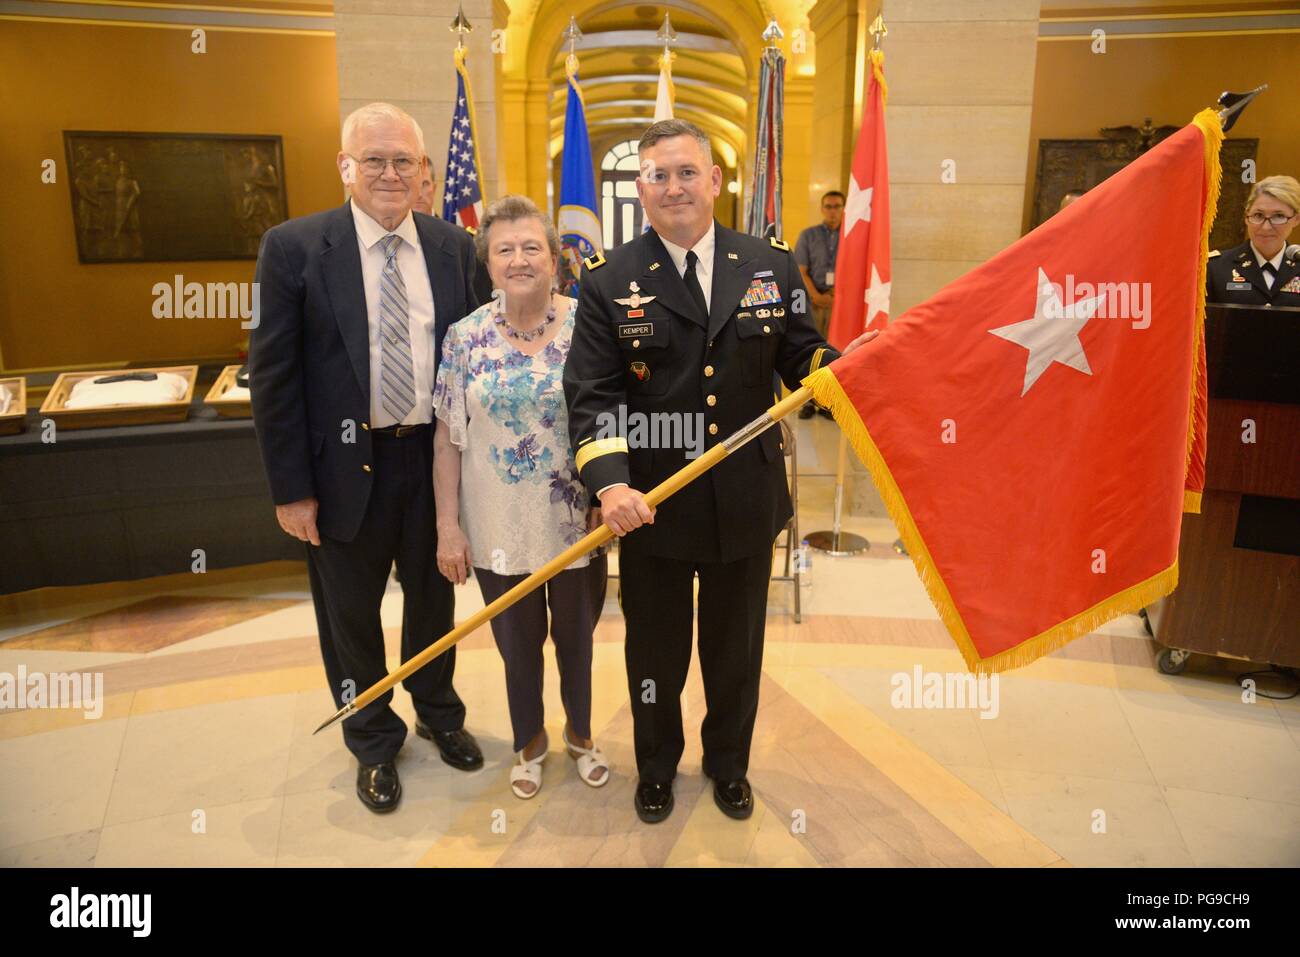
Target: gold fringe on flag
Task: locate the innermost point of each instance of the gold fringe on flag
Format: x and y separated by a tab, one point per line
1211	127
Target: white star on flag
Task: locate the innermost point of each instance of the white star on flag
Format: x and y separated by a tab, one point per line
1053	334
857	208
877	295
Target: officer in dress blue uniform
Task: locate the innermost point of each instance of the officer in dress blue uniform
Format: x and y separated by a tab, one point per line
693	320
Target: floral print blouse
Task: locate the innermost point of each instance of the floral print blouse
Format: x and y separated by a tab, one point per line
521	501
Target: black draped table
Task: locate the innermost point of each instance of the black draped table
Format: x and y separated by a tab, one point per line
113	504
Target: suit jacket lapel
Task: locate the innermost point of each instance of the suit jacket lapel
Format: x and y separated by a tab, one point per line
730	278
664	282
441	262
341	265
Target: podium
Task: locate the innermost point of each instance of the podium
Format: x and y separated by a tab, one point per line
1238	592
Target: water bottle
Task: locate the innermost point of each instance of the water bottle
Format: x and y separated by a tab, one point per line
803	562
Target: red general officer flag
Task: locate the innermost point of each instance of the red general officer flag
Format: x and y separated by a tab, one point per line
862	270
1037	427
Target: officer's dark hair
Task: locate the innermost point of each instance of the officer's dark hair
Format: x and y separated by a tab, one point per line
666	129
506	210
834	192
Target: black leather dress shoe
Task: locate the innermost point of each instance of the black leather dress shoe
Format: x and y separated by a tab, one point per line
808	410
458	748
734	798
379	787
654	802
825	413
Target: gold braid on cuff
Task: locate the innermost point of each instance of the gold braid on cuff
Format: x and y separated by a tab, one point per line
594	450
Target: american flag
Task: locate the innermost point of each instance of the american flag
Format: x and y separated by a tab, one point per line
462	194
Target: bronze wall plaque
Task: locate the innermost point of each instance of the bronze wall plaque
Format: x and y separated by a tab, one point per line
1065	165
158	197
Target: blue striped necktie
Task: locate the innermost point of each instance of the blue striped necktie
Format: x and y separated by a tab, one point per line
396	370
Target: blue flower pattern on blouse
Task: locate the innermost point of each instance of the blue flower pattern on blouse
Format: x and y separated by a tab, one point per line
523	449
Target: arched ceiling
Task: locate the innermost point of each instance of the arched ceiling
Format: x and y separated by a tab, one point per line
714	71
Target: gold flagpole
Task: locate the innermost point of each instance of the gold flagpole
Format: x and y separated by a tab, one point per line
575	551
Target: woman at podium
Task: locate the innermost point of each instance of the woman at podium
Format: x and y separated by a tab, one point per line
1264	270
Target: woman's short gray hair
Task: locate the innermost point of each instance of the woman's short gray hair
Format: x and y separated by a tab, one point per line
507	209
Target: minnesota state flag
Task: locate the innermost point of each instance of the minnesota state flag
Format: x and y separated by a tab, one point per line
578	224
1037	428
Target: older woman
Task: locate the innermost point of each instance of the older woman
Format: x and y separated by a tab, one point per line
506	486
1264	270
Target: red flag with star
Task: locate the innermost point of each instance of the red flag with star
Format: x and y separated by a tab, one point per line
1037	428
862	270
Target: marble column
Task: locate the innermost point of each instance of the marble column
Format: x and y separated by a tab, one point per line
400	51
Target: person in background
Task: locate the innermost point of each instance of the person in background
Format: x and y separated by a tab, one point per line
1264	270
1072	196
507	487
424	198
815	253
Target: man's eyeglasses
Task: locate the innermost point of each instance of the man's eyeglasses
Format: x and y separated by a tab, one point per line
1277	219
403	166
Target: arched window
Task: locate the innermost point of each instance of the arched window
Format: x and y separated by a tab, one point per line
620	210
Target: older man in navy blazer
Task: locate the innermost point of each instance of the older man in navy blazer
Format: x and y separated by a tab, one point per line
354	305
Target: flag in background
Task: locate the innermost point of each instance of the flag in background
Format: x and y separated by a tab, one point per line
666	95
578	224
862	269
462	191
763	210
1037	428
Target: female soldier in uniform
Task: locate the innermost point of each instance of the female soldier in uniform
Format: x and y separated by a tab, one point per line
1264	270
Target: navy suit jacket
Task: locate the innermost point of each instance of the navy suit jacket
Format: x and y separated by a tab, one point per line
309	356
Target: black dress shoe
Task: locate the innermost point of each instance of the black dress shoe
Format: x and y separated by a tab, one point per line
654	802
734	798
808	410
379	787
458	748
825	413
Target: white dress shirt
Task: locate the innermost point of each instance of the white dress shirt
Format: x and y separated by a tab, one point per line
1276	261
419	298
703	269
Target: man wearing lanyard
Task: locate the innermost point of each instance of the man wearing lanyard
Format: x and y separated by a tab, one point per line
815	254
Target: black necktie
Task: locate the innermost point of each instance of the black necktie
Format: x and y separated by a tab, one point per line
1270	274
693	284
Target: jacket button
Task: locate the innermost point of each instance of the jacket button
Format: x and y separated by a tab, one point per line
366	426
712	400
365	468
636	343
713	428
767	328
708	370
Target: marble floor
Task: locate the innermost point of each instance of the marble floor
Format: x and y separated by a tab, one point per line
202	752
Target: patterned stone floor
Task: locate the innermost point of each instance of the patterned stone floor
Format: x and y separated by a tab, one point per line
203	753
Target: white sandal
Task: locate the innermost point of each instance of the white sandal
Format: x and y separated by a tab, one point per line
589	760
528	771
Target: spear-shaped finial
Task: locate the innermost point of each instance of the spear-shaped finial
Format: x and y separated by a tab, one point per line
666	33
573	34
1231	105
773	33
877	31
460	26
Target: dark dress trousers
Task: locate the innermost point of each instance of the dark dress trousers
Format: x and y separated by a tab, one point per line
1235	276
717	368
309	371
